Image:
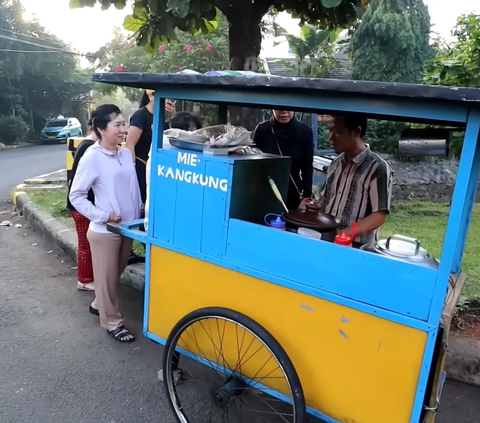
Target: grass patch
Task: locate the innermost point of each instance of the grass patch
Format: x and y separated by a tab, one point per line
54	202
428	222
425	221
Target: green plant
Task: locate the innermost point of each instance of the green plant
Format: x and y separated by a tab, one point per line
313	51
13	130
458	64
201	52
462	307
383	136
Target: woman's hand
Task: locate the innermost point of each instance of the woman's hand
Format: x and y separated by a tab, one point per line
113	218
169	108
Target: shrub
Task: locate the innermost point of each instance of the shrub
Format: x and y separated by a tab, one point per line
12	130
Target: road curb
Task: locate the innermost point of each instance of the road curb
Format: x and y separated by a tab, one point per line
463	357
66	239
16	146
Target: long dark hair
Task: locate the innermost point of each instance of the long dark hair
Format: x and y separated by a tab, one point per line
144	100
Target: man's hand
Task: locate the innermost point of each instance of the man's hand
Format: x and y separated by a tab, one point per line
169	108
113	218
303	203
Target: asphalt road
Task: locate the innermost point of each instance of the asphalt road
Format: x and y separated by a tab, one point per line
22	163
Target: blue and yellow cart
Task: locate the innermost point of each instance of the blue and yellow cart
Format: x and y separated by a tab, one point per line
260	324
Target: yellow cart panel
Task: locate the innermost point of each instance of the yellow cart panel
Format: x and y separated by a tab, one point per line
353	366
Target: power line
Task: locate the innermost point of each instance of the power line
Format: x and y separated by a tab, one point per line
6	37
28	51
17	33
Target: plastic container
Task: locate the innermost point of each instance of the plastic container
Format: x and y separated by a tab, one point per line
343	239
309	233
276	222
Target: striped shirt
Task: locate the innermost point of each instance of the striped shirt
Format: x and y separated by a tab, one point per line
357	189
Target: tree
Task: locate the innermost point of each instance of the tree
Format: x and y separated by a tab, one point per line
39	76
458	64
154	21
391	43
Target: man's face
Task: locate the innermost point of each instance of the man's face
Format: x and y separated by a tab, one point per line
341	138
283	116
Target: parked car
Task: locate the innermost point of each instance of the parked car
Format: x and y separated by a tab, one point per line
321	163
58	130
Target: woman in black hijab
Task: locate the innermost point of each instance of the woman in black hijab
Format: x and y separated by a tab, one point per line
284	135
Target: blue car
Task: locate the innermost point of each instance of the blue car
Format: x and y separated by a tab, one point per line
58	130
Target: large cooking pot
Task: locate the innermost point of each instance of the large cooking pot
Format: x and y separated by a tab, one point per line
312	218
403	248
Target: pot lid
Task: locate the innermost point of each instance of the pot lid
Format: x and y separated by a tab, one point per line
312	218
403	248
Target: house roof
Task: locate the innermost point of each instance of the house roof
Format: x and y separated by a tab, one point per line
277	67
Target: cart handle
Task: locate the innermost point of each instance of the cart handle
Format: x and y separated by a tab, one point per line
129	230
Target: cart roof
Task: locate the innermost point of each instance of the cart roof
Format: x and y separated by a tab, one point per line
269	83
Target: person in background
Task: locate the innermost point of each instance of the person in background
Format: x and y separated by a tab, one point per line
108	170
284	135
359	182
139	138
181	120
84	255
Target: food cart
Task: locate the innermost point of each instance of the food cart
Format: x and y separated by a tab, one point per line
290	325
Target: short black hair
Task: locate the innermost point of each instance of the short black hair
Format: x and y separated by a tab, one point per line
352	121
102	116
185	121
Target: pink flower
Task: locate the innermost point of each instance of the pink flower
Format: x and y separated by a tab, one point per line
187	47
119	68
209	47
162	49
177	68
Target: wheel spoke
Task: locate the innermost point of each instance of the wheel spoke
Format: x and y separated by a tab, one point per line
219	380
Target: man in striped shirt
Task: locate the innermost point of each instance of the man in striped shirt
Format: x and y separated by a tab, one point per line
359	182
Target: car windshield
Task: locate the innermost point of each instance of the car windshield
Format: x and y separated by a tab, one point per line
56	124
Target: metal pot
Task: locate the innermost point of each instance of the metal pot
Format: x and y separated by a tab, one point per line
312	218
403	248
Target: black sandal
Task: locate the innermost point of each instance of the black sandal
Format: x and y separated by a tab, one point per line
120	333
94	311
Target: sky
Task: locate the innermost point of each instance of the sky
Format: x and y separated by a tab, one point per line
88	29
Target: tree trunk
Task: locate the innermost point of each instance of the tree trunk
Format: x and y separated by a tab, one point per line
245	41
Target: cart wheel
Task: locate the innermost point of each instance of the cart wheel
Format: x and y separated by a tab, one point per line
232	370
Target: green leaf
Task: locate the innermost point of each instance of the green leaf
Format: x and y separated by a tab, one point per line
75	4
330	4
133	23
140	12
